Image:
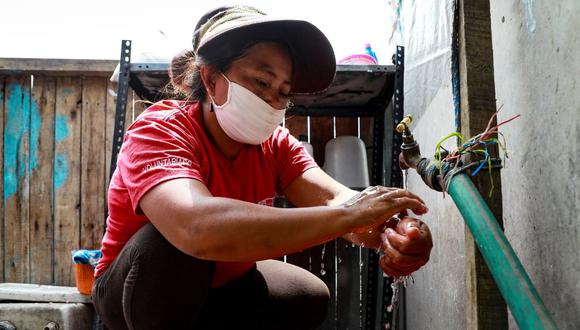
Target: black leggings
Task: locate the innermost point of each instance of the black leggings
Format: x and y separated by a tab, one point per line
153	285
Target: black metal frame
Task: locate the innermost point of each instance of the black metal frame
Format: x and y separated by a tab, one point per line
378	290
398	314
385	171
120	108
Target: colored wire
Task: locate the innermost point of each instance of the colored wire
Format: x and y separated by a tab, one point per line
478	144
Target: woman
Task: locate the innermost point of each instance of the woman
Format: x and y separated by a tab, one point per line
188	244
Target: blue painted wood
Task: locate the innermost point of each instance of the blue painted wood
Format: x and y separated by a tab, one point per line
41	180
16	179
2	92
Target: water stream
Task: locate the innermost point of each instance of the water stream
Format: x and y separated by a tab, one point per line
398	281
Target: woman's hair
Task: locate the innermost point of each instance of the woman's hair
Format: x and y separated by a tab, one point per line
184	71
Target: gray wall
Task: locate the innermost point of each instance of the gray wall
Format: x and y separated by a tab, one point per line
536	48
537	74
438	297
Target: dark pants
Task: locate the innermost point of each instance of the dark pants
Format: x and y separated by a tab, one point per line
153	285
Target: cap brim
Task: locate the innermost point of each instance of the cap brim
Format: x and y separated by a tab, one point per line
313	57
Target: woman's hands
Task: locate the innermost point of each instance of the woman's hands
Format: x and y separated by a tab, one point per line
372	207
406	248
407	244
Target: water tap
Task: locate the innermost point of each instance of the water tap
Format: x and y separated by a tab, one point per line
410	153
410	157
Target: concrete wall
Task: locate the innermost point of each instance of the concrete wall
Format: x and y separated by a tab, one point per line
536	48
437	299
537	74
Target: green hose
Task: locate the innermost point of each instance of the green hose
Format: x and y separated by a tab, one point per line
509	274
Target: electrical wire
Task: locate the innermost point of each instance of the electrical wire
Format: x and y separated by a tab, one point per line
477	145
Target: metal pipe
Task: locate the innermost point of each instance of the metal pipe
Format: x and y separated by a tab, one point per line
509	274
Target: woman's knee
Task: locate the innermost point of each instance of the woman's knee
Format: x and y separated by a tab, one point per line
153	277
150	247
299	297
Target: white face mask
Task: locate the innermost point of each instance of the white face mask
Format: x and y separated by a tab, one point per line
245	117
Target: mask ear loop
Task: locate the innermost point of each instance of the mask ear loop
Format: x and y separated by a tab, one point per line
211	109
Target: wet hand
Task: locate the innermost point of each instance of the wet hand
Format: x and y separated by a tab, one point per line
406	248
373	205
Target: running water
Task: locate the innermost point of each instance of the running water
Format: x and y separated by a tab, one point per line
399	281
322	270
396	284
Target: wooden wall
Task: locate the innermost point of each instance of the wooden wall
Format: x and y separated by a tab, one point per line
57	126
57	133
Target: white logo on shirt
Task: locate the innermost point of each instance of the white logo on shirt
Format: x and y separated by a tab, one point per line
166	162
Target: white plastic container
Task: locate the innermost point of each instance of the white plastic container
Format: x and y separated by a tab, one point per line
308	148
304	140
346	161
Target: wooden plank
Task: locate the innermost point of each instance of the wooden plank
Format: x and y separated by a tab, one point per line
297	125
130	110
41	174
346	126
58	67
2	238
322	131
348	285
486	308
66	180
137	104
111	101
93	121
16	179
366	130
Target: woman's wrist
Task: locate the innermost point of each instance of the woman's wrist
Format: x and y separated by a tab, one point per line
345	219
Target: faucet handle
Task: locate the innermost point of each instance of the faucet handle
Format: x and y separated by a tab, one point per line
404	124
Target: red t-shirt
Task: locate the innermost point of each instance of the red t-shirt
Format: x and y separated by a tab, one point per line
168	141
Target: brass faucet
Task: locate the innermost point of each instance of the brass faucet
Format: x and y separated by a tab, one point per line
410	153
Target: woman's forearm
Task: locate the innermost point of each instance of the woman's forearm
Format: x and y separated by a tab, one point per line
217	228
231	230
342	197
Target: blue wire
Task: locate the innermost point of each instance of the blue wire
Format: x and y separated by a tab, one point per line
455	75
486	157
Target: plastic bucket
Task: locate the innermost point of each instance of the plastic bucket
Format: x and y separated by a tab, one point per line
84	278
346	161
